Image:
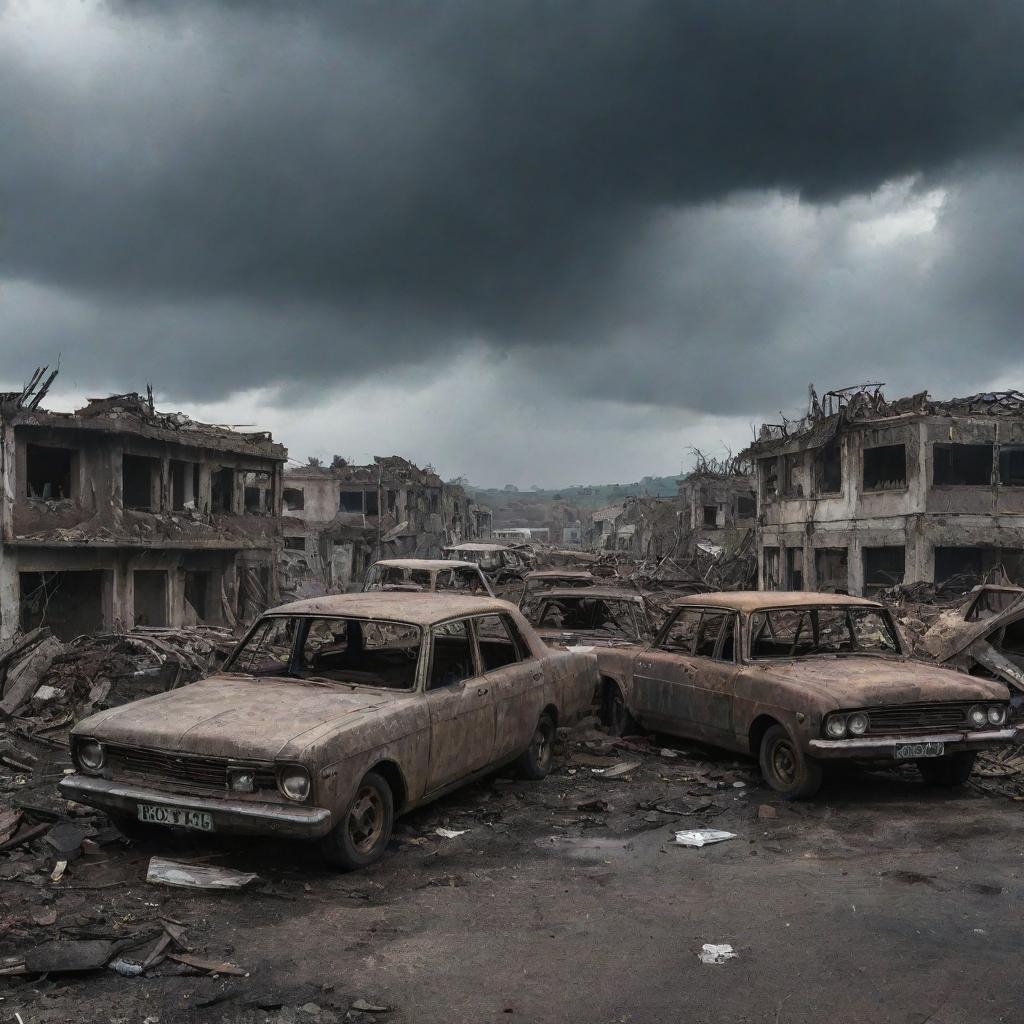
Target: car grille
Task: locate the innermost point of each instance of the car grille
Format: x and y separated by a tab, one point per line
908	719
162	767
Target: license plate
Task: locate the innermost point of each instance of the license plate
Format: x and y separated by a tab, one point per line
912	751
176	817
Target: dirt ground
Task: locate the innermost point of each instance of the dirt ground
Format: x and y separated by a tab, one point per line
881	901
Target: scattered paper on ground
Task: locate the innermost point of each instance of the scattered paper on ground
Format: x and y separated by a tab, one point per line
716	954
702	837
196	876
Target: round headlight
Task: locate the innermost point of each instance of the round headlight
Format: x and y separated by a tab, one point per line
90	755
978	716
857	724
996	714
294	783
836	727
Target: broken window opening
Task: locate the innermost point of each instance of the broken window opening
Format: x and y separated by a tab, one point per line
831	568
960	567
351	501
184	485
295	543
294	499
828	468
711	515
1011	467
962	465
770	571
885	467
884	566
197	585
371	505
795	568
69	602
769	479
746	508
150	603
222	490
140	482
257	491
792	485
50	472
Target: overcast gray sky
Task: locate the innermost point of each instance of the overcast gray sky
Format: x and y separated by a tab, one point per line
540	243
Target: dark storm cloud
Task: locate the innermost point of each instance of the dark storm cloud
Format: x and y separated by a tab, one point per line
309	190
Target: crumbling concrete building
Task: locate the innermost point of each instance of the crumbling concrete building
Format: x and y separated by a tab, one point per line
339	519
120	515
719	501
864	493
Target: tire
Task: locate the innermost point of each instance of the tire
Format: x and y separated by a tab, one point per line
535	762
615	714
786	768
951	770
363	834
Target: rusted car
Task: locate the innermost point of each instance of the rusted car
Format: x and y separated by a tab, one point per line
427	574
800	679
504	566
332	716
591	616
538	580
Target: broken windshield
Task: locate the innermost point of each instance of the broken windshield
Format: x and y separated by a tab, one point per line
357	652
591	615
834	629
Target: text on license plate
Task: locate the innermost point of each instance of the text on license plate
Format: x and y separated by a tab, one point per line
179	817
912	751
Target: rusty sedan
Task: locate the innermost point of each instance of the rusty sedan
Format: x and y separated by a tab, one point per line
799	679
332	716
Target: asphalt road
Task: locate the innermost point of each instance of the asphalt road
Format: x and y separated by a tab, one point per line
881	901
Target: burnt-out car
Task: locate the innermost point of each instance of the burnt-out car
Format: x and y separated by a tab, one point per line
537	581
800	679
594	616
332	716
427	574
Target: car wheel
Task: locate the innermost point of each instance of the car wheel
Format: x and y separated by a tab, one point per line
362	835
951	770
535	761
786	768
614	712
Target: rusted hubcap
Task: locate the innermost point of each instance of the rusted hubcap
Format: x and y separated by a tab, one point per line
366	819
784	762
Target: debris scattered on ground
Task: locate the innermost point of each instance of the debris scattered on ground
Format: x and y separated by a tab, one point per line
362	1006
767	811
196	876
702	837
616	771
716	954
450	833
210	966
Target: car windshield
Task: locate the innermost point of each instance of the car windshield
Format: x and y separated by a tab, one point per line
387	577
463	579
358	652
593	615
826	629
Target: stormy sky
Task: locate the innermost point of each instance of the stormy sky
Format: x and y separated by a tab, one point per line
539	243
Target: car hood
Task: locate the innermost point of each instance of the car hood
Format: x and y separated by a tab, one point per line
234	716
850	681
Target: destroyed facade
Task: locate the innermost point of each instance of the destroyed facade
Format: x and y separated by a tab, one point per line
339	519
719	500
118	515
863	493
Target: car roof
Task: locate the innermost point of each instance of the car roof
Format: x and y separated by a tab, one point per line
477	546
401	606
562	574
589	593
424	563
758	600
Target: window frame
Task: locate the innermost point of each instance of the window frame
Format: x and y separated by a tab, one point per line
474	653
748	658
523	651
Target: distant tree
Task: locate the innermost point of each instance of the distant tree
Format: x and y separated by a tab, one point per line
337	462
315	462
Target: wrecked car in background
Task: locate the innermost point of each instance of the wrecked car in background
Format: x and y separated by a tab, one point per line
503	566
539	580
332	716
799	679
591	616
427	574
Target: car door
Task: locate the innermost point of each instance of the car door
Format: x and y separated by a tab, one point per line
713	683
663	676
514	677
460	705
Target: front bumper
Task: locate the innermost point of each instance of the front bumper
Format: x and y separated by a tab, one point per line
233	817
884	746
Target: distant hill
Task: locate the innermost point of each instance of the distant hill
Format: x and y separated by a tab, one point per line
533	506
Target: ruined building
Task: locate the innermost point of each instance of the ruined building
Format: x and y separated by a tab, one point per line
119	515
719	501
863	493
339	519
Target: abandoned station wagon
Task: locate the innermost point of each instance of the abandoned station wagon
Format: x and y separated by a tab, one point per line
333	715
797	679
